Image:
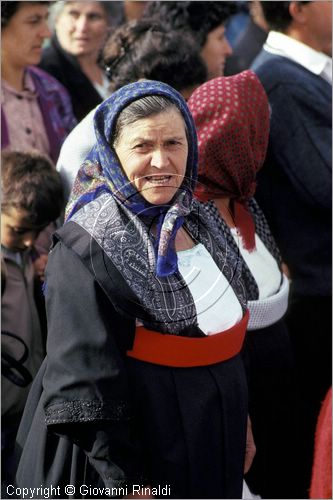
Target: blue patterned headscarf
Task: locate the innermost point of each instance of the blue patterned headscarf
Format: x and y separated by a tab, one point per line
101	172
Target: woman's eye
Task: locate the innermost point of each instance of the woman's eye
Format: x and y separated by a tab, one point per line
34	20
173	143
73	14
141	146
95	17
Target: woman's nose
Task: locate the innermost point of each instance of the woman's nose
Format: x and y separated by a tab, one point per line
159	158
45	31
81	23
227	47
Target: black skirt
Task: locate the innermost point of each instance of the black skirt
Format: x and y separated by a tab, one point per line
275	413
189	423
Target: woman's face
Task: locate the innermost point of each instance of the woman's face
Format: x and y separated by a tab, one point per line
153	153
81	28
215	52
23	37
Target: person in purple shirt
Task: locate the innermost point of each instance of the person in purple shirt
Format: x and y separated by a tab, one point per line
35	109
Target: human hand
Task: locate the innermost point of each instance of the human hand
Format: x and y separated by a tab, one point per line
285	269
39	265
250	447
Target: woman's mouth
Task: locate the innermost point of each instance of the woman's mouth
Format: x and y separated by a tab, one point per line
81	39
158	179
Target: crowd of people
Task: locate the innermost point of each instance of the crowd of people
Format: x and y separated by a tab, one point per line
166	249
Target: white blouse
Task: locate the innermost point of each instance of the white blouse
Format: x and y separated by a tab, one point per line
262	265
103	88
216	303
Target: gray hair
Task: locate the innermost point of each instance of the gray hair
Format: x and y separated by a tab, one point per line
143	108
56	9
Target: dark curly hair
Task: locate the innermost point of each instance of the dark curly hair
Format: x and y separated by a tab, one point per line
8	9
146	49
277	15
30	182
198	17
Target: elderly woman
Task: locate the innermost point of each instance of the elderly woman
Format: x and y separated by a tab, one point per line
136	50
36	112
72	58
143	383
232	120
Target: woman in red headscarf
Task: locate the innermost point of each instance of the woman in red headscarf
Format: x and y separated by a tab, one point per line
232	120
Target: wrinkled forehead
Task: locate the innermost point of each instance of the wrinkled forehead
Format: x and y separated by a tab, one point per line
110	116
168	122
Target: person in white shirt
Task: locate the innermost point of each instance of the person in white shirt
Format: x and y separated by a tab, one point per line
294	186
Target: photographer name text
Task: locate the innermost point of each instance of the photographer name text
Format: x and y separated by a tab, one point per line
86	490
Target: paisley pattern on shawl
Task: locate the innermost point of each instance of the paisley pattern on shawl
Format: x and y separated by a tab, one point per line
102	172
126	240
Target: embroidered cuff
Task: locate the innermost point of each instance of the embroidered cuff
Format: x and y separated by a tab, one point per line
86	411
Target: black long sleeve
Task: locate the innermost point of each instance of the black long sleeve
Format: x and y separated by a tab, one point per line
85	383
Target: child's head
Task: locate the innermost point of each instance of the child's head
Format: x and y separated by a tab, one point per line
32	197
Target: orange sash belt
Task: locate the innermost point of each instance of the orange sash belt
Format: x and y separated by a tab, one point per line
173	350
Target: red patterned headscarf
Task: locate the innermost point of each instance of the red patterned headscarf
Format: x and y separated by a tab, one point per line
231	115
